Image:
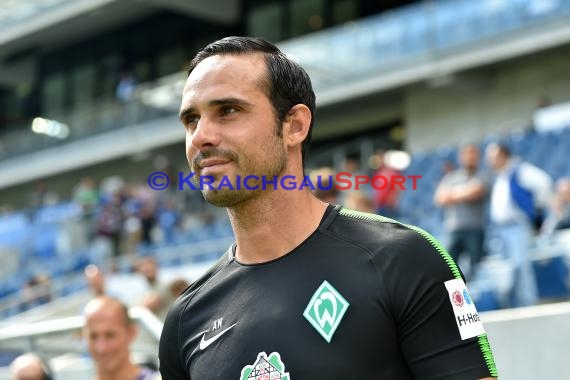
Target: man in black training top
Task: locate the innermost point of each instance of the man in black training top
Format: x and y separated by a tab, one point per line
309	290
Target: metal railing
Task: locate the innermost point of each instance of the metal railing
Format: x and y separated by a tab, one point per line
18	11
424	30
197	252
30	331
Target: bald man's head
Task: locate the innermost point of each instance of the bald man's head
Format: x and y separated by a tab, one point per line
108	306
109	333
28	367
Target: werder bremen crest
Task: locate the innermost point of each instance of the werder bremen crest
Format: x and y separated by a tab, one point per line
265	368
325	310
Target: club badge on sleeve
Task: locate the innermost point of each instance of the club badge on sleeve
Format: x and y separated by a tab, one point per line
466	315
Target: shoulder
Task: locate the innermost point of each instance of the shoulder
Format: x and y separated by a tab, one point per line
529	174
531	169
391	244
411	266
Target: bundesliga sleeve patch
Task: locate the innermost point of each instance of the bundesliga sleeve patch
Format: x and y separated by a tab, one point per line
466	315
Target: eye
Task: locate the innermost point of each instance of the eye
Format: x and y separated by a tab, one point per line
190	121
227	110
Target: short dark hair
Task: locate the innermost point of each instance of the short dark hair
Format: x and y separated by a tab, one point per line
287	83
504	149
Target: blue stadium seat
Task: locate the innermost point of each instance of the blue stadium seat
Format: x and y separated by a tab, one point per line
57	213
552	277
44	241
487	300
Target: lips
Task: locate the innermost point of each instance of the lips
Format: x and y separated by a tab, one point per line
212	158
210	166
209	162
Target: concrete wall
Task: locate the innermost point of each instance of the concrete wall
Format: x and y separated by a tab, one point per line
494	99
530	343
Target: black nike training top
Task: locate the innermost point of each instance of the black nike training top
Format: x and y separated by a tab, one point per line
364	297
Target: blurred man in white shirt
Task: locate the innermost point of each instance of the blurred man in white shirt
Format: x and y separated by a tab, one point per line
519	190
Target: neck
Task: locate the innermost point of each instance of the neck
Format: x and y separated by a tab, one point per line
127	372
505	167
274	223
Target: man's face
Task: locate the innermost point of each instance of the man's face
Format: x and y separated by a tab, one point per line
108	337
148	269
231	126
494	157
470	157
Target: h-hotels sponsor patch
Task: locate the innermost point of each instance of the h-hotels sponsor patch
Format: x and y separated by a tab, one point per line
466	315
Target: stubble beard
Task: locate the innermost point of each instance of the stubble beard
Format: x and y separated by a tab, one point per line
272	166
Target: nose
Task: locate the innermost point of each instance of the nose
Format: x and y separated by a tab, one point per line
205	136
100	346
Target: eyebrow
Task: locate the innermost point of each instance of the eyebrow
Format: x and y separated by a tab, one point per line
213	103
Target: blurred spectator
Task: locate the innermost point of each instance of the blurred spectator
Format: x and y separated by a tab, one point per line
359	201
109	222
125	87
41	196
95	280
85	195
323	179
177	287
146	214
109	332
163	164
29	367
447	167
111	186
158	298
125	92
37	291
168	220
132	225
352	165
386	199
559	214
461	193
518	191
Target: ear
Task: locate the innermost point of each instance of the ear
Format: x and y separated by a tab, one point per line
296	126
133	331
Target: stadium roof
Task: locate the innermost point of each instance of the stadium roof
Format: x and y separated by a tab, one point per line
29	25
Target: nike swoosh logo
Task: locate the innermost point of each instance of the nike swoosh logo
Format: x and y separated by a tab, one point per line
206	342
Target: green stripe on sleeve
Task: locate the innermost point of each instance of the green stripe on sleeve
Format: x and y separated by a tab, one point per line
482	339
488	354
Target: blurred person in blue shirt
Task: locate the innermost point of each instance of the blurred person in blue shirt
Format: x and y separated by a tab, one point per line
519	190
559	214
